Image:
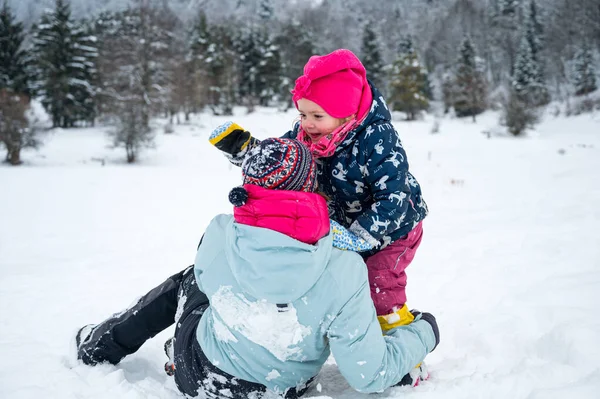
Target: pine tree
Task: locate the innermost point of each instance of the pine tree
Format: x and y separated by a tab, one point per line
371	57
265	10
508	7
219	64
65	59
408	82
533	32
260	61
470	94
526	79
84	73
269	70
12	57
15	132
503	37
269	80
584	73
248	50
199	43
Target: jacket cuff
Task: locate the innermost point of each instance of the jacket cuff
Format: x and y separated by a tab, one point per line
360	231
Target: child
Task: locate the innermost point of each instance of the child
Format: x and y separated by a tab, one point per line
362	167
268	299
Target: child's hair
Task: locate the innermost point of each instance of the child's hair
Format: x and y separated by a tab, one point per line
322	194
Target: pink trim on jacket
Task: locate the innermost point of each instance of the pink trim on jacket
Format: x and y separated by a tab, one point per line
300	215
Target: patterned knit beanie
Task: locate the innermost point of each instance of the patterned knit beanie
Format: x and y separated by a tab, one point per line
337	82
280	164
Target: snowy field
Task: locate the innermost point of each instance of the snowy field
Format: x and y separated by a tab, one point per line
509	265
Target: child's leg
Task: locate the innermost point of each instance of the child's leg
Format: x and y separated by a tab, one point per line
124	333
387	279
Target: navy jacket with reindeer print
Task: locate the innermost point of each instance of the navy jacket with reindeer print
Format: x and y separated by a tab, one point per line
368	182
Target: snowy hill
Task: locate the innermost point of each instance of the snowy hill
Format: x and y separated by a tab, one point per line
509	262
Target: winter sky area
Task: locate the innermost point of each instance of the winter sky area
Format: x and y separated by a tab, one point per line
509	264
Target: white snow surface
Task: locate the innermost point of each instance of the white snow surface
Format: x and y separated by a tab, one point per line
509	264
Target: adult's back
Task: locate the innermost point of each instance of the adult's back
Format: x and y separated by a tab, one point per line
279	305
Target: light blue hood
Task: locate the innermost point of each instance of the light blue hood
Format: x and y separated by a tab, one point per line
281	272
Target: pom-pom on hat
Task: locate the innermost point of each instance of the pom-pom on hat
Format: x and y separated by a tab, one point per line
337	82
238	196
280	164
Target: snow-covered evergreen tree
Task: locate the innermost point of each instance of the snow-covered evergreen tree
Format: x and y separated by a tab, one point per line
13	72
470	86
265	10
213	47
526	79
65	57
269	79
508	7
248	50
260	60
408	82
84	72
371	57
199	41
584	72
503	37
533	32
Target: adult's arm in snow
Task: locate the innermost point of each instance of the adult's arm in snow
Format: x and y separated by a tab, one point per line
369	361
386	173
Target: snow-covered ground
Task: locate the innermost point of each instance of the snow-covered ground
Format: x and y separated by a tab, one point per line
510	261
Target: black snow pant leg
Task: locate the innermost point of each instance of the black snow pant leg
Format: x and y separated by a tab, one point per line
125	332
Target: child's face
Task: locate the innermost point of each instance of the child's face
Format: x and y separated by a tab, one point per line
317	123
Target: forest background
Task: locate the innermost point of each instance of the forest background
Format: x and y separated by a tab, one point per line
122	63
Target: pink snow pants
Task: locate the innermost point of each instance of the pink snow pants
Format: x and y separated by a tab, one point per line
386	271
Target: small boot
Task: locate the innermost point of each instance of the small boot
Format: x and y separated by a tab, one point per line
84	333
415	376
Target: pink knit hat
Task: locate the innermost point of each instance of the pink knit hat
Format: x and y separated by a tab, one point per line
337	82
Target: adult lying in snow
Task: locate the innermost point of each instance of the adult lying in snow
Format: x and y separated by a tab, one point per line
268	298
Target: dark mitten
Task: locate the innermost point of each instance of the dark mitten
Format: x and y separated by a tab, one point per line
429	318
231	138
